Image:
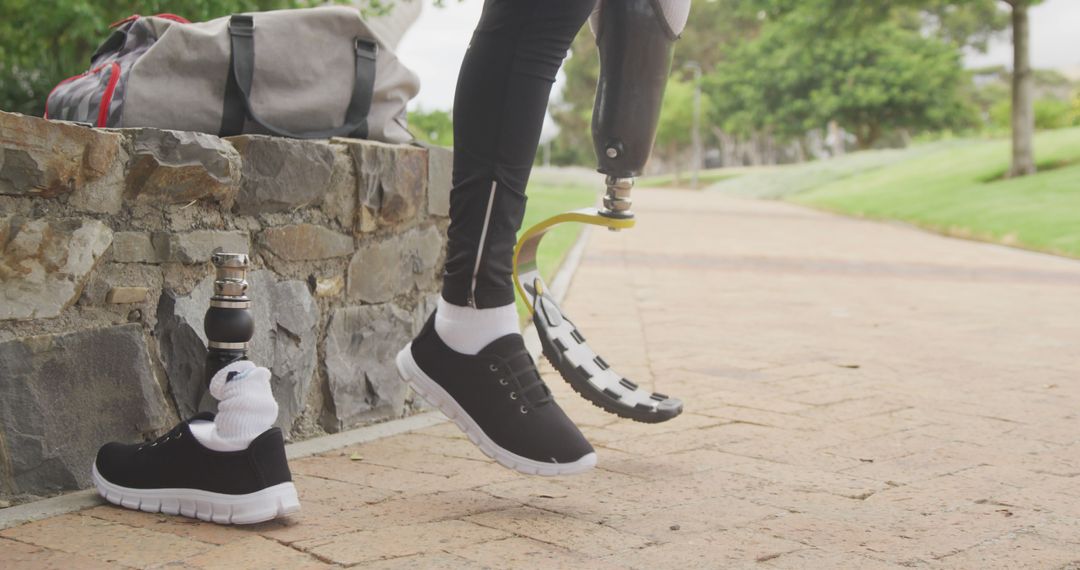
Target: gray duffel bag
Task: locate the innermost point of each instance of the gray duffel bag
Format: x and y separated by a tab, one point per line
308	73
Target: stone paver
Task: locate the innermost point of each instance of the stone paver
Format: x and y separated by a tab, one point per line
859	395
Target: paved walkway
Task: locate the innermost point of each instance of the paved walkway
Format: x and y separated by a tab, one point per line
858	395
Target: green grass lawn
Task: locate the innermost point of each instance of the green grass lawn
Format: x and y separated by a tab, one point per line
785	180
957	189
545	200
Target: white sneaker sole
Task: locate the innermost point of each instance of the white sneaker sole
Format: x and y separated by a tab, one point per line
262	505
440	398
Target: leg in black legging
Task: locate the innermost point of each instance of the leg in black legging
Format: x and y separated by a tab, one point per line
502	96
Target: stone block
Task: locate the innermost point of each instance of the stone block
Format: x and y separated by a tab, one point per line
361	344
175	167
282	174
440	180
305	242
63	396
382	270
286	320
340	199
392	180
197	246
135	247
44	263
124	295
53	158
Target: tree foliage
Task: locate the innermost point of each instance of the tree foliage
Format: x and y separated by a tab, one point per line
572	108
964	23
677	114
674	132
884	78
958	19
435	127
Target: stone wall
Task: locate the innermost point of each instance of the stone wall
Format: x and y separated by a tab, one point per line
105	241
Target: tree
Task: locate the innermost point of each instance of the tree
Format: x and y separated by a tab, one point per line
1023	81
1023	91
883	79
859	12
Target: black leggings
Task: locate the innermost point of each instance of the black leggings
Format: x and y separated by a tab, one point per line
502	96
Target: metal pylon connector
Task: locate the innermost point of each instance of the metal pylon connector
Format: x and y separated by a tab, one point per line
617	200
230	280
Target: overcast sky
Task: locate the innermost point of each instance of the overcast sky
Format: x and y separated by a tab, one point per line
436	43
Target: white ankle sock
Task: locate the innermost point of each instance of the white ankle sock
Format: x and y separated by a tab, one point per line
468	330
246	408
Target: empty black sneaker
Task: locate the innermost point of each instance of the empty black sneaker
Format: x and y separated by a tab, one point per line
499	400
177	475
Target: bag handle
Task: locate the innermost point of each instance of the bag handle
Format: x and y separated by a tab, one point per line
242	72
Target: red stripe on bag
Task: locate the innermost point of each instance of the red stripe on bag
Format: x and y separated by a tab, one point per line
173	17
164	15
106	99
119	23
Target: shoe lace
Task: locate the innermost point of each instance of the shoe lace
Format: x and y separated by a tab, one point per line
174	433
529	385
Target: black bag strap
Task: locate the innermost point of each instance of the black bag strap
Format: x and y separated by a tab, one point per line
242	72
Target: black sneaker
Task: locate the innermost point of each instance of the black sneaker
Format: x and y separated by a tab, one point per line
499	400
176	475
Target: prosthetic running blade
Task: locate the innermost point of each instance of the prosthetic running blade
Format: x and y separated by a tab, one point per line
636	40
564	345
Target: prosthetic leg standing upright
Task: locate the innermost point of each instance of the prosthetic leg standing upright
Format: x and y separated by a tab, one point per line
636	40
228	468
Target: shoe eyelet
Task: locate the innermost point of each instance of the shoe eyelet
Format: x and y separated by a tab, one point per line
513	395
524	410
503	382
493	368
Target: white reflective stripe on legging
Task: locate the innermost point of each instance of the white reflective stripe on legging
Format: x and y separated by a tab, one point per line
480	248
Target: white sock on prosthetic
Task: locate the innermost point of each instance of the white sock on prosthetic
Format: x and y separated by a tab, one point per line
246	408
468	330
